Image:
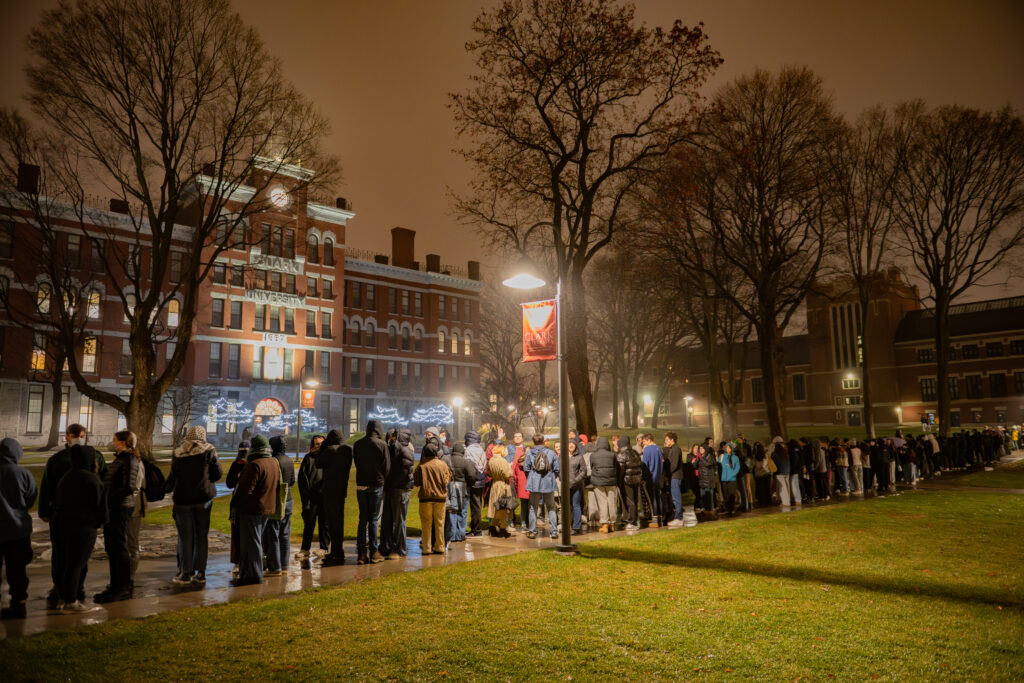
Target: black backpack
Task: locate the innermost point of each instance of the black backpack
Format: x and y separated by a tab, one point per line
154	482
540	463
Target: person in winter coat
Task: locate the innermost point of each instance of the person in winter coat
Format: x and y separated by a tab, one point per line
370	455
517	459
856	467
475	453
604	475
542	468
674	472
730	463
432	477
707	471
254	501
631	465
783	476
763	466
194	471
841	464
577	480
124	481
231	481
691	476
334	459
652	462
17	496
463	475
57	466
819	466
277	532
397	488
79	509
500	473
311	497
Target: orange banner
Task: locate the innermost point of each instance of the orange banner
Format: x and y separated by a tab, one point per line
308	399
540	331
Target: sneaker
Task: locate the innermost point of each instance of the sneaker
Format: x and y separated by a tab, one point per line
75	607
302	555
199	578
393	556
52	600
531	535
632	527
273	572
675	523
377	558
181	580
110	596
363	559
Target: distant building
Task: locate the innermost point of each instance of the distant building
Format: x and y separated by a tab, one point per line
375	332
823	377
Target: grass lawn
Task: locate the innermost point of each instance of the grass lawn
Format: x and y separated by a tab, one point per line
927	585
1003	477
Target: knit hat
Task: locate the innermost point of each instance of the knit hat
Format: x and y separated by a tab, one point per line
196	433
623	442
472	437
433	431
258	445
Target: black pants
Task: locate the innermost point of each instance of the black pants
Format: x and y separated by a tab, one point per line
882	476
72	547
313	516
115	542
821	484
654	496
729	493
15	556
763	487
632	497
806	487
334	508
476	499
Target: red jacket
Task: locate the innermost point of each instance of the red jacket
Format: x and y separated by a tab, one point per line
519	476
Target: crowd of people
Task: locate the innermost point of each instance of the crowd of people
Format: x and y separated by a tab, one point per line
614	484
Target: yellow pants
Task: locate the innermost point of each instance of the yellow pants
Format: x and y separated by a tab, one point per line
431	526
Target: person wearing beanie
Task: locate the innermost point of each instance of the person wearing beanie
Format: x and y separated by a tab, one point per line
463	475
475	453
17	495
278	530
370	455
254	501
79	509
334	459
194	471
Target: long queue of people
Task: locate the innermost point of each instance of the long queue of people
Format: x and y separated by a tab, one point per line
614	484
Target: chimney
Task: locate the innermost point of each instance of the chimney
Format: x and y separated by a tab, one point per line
342	204
380	258
403	243
209	170
119	206
415	265
433	263
473	268
28	178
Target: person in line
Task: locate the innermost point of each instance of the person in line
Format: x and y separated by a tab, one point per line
124	480
231	481
856	467
194	471
542	468
730	463
397	487
743	481
311	498
707	470
503	500
631	465
463	475
674	458
577	480
17	496
432	476
334	458
278	529
475	453
604	475
692	475
255	500
79	509
764	468
652	462
57	465
370	455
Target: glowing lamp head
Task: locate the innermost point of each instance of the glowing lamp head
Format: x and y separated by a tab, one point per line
526	276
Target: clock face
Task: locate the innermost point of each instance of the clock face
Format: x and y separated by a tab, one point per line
279	197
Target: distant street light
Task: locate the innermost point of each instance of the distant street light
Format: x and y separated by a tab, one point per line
310	382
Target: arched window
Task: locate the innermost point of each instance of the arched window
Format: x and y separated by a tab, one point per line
440	341
94	305
466	346
455	343
417	337
43	295
406	340
357	333
328	251
312	249
130	306
371	335
392	337
173	309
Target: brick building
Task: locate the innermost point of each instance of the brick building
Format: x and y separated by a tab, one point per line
374	331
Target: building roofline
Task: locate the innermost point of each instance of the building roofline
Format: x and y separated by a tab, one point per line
372	268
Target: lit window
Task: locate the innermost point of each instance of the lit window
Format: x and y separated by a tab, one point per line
43	296
129	306
455	343
94	305
173	308
466	347
89	355
85	413
38	351
440	342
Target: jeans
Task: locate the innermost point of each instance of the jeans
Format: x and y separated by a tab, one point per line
277	536
15	555
677	498
370	500
632	497
524	511
193	524
313	519
250	547
741	484
654	495
392	523
115	543
455	521
821	485
577	509
548	499
334	508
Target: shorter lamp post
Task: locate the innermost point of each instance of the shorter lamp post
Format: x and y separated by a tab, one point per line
457	402
311	381
689	411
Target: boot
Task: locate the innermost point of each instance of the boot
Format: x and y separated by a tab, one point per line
15	611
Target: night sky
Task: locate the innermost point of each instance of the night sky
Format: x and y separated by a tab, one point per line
381	72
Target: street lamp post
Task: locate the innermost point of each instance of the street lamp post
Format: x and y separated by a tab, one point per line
311	382
527	278
457	403
689	411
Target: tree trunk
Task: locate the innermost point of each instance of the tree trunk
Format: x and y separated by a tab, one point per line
615	399
141	419
542	373
56	398
942	361
576	355
865	370
772	377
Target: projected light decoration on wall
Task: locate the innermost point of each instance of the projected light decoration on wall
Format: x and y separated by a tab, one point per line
439	414
389	416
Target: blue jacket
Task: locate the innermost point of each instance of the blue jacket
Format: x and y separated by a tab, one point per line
730	465
17	493
652	463
535	482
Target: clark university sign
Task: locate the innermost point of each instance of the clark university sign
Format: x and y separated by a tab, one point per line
281	265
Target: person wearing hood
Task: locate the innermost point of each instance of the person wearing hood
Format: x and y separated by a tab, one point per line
194	471
577	481
475	453
334	459
17	495
542	469
277	533
124	481
632	468
502	496
432	477
707	470
397	487
730	473
516	457
254	501
604	475
57	466
783	481
463	475
79	509
311	496
819	468
370	455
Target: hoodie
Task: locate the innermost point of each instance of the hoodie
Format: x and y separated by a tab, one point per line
475	452
402	462
80	499
335	459
463	469
194	469
730	463
277	449
57	466
370	455
604	468
17	493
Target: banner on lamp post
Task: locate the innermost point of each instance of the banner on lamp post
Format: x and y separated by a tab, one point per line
308	399
540	331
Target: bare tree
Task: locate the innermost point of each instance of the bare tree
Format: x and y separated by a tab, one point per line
571	100
959	206
176	108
